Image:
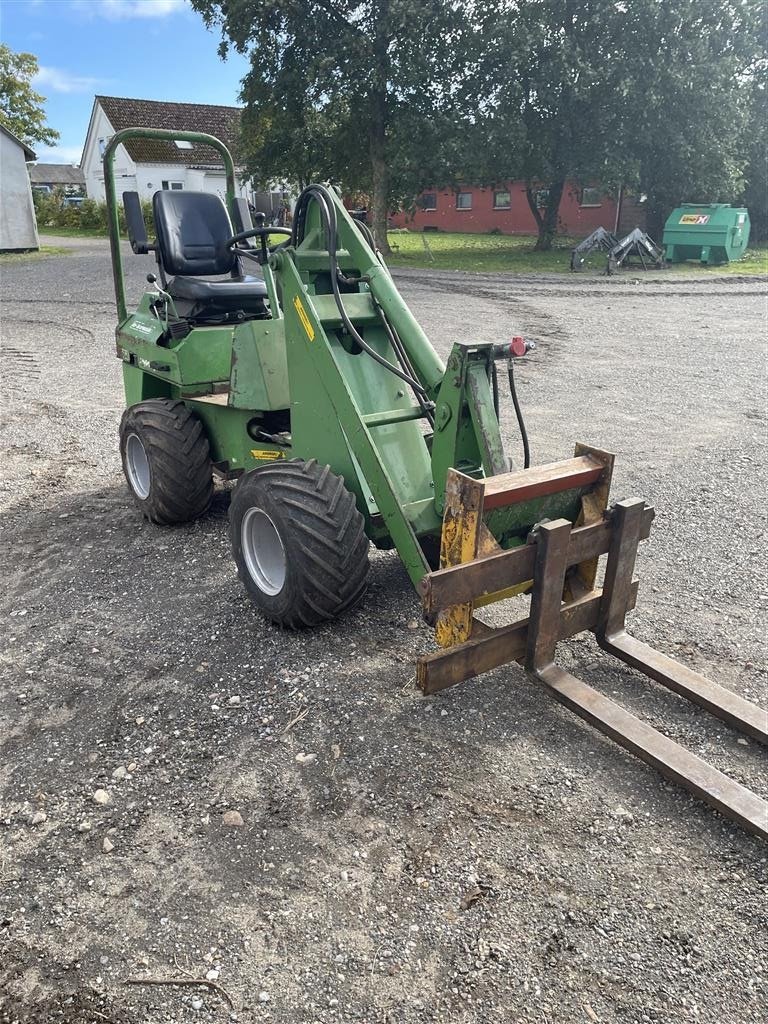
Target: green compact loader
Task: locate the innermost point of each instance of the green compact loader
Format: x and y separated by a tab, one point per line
287	361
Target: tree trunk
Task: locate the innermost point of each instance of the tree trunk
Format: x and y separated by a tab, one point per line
380	186
546	223
656	211
378	129
530	195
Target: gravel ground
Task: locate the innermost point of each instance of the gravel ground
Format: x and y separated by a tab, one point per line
480	856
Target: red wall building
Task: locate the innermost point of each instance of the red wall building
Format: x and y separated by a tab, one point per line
505	208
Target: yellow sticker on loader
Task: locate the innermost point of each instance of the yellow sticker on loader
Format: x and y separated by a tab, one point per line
297	305
267	453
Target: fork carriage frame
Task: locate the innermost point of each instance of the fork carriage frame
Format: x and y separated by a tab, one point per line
558	565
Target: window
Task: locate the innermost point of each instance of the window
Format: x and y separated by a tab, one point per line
502	200
429	201
103	144
174	186
542	198
591	197
463	200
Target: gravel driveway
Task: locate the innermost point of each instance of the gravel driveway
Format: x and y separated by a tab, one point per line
481	856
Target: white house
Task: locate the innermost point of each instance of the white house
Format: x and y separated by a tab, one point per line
147	165
18	226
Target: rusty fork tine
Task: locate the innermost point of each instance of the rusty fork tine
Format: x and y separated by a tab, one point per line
721	703
669	758
614	639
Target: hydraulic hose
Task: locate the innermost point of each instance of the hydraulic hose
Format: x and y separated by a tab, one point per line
519	413
326	204
395	341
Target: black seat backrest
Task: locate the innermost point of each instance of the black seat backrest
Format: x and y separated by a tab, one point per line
192	228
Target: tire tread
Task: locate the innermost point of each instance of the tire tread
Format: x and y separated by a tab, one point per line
180	459
324	535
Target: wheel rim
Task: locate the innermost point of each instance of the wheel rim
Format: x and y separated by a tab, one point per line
263	551
137	466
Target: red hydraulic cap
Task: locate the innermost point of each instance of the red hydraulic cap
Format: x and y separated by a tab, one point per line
518	347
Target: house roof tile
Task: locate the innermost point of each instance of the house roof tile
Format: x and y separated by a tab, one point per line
55	174
223	122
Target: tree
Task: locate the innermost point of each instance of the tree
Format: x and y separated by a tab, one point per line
684	121
21	109
551	110
645	94
344	89
755	194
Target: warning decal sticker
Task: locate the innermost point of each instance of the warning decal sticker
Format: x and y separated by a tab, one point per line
304	318
267	453
694	218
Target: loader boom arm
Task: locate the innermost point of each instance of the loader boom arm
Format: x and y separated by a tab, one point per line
366	380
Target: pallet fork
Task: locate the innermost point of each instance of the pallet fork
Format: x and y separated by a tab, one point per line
558	565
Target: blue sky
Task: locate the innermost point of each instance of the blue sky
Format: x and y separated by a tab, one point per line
150	49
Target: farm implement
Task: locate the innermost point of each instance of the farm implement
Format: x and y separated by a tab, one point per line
309	383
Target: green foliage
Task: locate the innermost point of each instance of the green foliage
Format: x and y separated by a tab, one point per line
755	194
682	132
88	217
388	97
550	110
93	216
517	254
21	108
647	94
360	93
51	211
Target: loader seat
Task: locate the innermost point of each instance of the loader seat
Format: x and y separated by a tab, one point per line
192	228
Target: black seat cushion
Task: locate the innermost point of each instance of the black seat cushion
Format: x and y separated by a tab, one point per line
195	295
192	228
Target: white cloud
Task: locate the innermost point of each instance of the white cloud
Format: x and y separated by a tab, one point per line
57	80
119	10
58	154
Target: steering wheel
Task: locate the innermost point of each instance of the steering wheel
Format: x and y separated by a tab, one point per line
263	253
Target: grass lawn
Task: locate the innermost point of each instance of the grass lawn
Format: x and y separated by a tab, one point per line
44	250
511	253
514	253
754	261
71	232
443	251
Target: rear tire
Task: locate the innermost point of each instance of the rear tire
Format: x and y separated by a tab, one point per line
166	461
299	543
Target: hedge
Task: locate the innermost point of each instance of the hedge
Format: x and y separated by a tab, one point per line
90	215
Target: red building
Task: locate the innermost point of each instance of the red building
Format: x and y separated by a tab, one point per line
504	208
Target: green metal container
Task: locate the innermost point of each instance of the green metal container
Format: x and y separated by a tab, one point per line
709	232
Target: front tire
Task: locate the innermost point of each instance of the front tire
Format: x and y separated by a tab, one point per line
299	543
166	461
